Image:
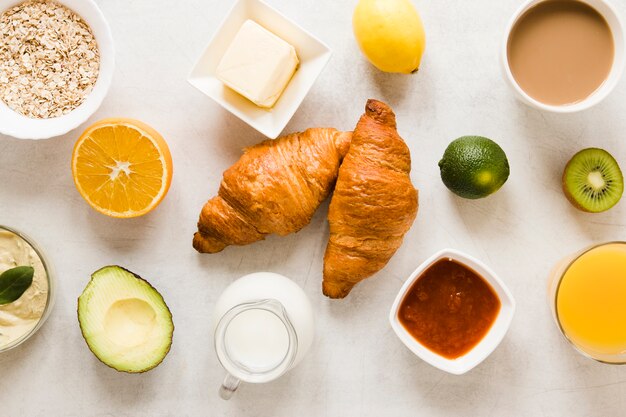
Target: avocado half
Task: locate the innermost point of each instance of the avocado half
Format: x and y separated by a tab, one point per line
125	320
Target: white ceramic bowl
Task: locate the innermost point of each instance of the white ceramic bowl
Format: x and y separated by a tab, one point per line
491	340
22	127
617	28
312	52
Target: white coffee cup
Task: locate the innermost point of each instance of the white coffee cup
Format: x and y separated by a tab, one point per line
617	29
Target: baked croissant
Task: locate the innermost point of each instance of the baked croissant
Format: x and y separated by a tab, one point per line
275	187
374	203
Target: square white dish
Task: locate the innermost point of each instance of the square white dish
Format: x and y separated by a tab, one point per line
312	53
491	340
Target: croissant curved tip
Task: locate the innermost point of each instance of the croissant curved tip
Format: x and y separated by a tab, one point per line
207	245
372	103
335	290
380	111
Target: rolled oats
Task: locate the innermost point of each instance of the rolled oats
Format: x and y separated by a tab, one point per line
49	59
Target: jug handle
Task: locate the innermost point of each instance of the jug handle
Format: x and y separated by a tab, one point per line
229	386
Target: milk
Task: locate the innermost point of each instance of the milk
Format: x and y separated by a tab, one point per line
257	339
264	326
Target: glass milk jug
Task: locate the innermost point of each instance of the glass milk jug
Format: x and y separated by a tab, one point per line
263	327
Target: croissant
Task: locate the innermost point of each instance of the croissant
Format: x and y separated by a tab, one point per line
275	187
374	203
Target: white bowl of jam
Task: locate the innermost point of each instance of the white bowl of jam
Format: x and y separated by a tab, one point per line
452	312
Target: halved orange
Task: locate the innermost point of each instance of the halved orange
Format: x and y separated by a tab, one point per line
122	167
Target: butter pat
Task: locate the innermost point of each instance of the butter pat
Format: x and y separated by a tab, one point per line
258	64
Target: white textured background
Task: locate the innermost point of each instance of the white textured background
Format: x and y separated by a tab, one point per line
356	367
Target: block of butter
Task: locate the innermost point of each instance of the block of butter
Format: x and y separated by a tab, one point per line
258	64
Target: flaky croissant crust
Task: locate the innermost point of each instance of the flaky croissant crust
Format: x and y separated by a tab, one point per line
275	187
374	203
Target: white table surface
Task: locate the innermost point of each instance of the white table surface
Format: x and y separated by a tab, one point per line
356	367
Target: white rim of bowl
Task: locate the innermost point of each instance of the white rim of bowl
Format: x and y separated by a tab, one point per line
598	95
104	79
442	363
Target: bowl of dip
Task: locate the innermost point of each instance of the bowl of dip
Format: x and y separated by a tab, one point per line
563	56
452	312
21	319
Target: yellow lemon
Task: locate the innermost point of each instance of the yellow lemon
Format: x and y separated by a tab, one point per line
390	34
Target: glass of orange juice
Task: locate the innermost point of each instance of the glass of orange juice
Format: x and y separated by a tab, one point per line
587	295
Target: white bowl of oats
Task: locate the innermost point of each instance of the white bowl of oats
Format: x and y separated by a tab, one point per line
56	65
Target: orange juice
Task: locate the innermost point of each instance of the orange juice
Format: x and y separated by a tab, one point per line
590	302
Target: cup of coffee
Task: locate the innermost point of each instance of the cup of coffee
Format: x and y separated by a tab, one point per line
564	56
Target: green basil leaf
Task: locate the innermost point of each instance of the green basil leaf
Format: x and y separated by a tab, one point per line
14	282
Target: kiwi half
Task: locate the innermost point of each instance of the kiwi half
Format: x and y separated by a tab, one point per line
593	181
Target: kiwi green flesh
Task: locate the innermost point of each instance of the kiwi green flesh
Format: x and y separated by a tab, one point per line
593	181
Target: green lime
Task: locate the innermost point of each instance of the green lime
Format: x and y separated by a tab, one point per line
474	167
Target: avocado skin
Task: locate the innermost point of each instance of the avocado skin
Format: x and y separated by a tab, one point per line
169	346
